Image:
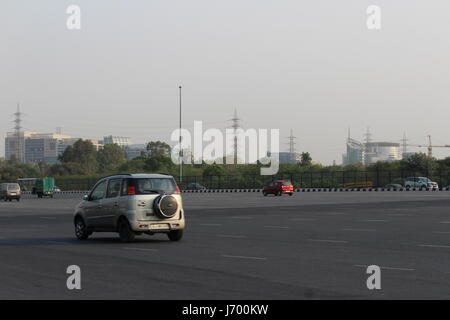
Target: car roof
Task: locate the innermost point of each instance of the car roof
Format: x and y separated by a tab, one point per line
140	176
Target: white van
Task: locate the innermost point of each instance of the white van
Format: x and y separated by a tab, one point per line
10	191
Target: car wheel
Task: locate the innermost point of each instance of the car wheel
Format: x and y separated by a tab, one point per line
290	194
279	193
175	235
125	232
18	199
264	194
81	230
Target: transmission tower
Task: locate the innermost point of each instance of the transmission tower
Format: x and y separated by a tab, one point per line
18	133
368	136
368	140
291	139
235	126
404	143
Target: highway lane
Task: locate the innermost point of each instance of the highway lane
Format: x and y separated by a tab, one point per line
286	248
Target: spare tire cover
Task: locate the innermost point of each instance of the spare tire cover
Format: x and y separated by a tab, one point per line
166	206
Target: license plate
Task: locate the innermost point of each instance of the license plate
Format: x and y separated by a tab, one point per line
160	226
13	193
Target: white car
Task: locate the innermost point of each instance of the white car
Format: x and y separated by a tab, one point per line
132	204
420	182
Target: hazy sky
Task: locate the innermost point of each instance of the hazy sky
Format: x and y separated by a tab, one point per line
312	66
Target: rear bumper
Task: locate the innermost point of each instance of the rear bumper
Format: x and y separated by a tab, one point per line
277	191
17	196
156	226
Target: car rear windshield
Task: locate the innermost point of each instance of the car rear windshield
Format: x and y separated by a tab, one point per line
13	187
152	185
287	183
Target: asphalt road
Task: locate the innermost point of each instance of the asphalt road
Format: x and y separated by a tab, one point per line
239	246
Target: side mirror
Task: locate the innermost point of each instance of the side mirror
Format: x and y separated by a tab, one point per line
86	197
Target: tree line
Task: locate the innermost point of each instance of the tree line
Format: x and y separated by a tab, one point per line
83	160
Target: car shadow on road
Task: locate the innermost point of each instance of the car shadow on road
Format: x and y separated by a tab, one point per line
62	241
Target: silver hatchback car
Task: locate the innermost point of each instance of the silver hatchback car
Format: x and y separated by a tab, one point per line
132	204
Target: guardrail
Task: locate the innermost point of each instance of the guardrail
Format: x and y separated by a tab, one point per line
79	192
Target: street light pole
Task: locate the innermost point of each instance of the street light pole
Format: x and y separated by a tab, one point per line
181	149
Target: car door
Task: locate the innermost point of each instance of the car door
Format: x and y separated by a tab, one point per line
111	204
93	207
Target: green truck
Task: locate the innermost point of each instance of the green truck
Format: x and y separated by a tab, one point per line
44	187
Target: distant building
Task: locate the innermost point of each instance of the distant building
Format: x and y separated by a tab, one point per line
370	152
287	157
15	146
64	143
135	150
39	147
120	141
382	151
355	152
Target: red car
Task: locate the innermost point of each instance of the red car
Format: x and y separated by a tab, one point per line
279	187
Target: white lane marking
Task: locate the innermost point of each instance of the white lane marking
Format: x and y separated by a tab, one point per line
328	240
433	246
276	227
243	257
385	268
140	249
355	229
303	219
57	242
335	213
231	236
374	220
210	224
239	217
49	218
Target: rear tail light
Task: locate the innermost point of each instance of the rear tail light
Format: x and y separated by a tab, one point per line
131	191
177	190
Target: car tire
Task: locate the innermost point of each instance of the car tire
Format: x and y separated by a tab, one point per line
279	193
290	194
175	235
264	194
81	231
125	232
